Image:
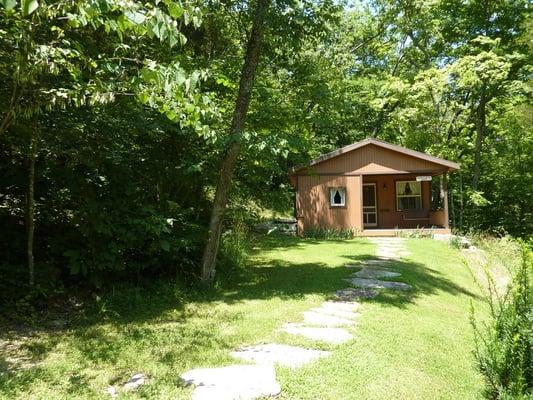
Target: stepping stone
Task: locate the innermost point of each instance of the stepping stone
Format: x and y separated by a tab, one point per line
353	265
233	382
363	263
351	294
336	313
330	335
135	382
288	356
376	261
341	306
314	318
376	273
389	256
377	284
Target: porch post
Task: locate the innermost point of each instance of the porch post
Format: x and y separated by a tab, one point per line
445	194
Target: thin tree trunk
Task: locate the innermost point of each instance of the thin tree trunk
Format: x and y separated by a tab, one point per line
232	152
30	207
480	135
461	205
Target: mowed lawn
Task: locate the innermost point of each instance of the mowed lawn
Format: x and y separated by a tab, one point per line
408	345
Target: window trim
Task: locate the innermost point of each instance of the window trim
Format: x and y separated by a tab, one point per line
397	196
330	190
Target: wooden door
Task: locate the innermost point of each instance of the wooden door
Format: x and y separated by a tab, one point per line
370	205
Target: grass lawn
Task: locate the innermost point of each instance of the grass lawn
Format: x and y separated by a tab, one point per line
412	345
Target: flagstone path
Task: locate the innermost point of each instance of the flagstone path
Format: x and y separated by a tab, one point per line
327	323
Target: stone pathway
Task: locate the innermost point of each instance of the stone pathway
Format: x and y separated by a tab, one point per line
327	323
377	284
242	382
329	335
288	356
376	273
388	249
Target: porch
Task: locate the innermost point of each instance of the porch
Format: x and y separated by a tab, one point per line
404	201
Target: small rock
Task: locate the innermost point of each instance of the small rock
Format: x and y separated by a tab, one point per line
135	382
112	391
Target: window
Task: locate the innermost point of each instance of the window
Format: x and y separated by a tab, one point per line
408	195
337	196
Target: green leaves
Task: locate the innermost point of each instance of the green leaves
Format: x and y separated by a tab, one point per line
176	93
28	6
8	4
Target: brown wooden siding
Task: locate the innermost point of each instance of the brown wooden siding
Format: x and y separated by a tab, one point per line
313	207
372	159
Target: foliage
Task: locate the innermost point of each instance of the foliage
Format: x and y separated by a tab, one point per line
331	233
504	345
235	247
128	103
418	233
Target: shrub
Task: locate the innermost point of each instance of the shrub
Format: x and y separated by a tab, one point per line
418	233
456	242
504	345
234	247
329	233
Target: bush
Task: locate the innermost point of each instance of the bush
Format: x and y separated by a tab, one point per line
234	247
418	233
328	233
504	345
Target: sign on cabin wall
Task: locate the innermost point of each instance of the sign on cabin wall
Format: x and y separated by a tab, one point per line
423	178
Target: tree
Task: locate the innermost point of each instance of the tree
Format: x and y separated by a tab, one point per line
64	54
230	157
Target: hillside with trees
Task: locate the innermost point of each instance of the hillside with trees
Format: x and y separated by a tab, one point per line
128	133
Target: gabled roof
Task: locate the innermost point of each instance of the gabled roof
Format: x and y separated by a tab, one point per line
450	165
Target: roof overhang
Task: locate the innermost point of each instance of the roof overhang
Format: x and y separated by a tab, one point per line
446	164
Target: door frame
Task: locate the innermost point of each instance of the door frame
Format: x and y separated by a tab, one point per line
374	225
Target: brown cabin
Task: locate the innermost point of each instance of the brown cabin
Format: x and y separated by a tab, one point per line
373	187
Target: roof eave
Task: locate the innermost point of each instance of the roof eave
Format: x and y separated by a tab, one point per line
450	165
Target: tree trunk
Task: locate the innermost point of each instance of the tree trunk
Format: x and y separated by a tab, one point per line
480	135
461	204
232	152
30	207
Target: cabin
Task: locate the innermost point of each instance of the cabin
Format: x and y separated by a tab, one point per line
374	188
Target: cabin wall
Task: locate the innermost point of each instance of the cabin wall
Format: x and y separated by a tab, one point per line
374	159
313	207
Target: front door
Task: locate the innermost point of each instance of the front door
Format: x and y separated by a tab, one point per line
370	205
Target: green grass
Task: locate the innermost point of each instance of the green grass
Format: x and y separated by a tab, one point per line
415	345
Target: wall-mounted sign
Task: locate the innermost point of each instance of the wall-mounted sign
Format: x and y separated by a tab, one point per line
423	178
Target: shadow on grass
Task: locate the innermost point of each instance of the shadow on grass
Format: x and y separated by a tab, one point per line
279	241
292	281
424	280
163	302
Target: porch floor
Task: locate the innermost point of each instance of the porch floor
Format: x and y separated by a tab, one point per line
393	232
